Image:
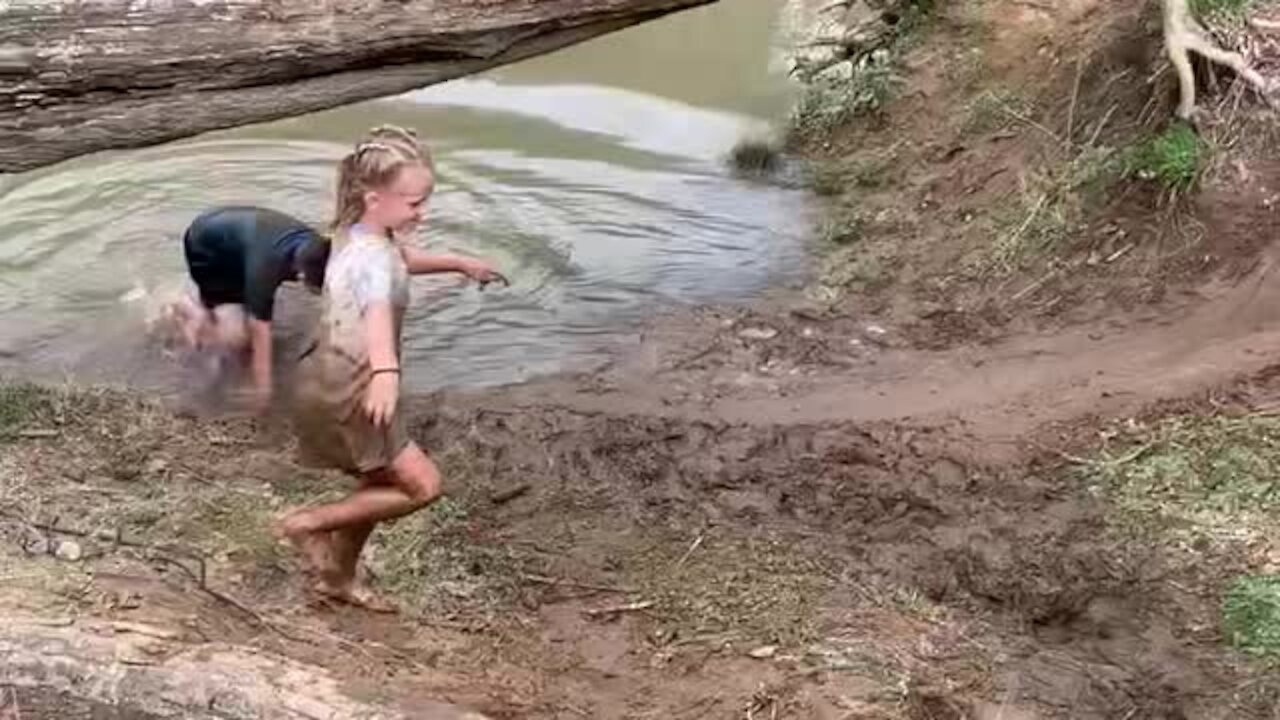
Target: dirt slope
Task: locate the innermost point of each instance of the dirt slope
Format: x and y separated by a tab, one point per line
793	510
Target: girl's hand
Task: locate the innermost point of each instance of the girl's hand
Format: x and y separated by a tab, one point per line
482	272
478	270
380	401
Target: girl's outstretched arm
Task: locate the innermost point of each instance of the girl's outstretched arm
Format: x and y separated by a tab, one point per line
421	262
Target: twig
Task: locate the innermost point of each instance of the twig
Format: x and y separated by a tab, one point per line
17	578
220	597
1119	253
509	494
1033	286
1016	237
37	434
1075	95
143	629
361	646
1023	118
617	609
1102	124
1115	462
687	553
340	641
544	580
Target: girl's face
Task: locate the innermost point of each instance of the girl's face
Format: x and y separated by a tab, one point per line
401	205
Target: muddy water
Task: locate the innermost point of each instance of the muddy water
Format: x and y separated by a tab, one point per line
594	177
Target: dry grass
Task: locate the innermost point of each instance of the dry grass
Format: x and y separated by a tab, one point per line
1200	479
1205	488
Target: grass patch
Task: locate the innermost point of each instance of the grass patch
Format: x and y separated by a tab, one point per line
995	110
1212	8
1251	615
830	102
1049	207
23	404
846	228
869	171
855	86
759	587
1174	158
1209	477
428	562
237	524
28	406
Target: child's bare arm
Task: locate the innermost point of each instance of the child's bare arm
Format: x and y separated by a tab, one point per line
380	336
384	387
421	262
260	342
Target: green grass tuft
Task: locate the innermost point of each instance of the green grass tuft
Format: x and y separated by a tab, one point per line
1174	158
1209	8
23	404
1251	615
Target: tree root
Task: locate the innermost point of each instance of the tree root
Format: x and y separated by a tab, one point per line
1183	34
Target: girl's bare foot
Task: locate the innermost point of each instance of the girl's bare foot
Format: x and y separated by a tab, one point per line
357	595
314	547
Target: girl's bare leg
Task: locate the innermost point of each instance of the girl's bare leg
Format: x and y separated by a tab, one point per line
412	482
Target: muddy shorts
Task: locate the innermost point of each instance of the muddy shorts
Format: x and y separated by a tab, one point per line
338	435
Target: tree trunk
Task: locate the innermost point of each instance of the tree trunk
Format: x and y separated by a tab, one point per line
97	674
79	76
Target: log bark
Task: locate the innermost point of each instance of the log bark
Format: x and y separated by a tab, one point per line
80	76
69	673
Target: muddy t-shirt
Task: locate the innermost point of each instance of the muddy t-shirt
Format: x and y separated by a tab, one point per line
241	255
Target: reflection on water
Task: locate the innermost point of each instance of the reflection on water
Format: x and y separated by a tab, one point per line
594	177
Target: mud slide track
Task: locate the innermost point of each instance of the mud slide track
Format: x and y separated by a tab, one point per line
1006	390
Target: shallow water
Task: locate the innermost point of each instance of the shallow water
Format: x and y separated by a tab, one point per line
593	177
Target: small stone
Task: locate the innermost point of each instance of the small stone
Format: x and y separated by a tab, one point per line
764	333
155	466
876	330
764	652
69	550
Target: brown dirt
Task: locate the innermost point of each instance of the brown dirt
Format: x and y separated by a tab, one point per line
1073	81
785	511
898	529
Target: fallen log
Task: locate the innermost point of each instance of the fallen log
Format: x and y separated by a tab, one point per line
80	76
71	673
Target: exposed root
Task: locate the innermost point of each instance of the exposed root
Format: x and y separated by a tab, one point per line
1183	34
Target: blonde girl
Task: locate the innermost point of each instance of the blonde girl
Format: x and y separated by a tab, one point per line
347	409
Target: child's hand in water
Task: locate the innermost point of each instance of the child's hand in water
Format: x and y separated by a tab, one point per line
380	401
479	270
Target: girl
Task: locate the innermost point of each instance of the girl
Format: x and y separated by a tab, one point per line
347	405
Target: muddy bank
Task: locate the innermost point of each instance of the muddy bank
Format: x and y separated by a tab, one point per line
800	509
613	562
